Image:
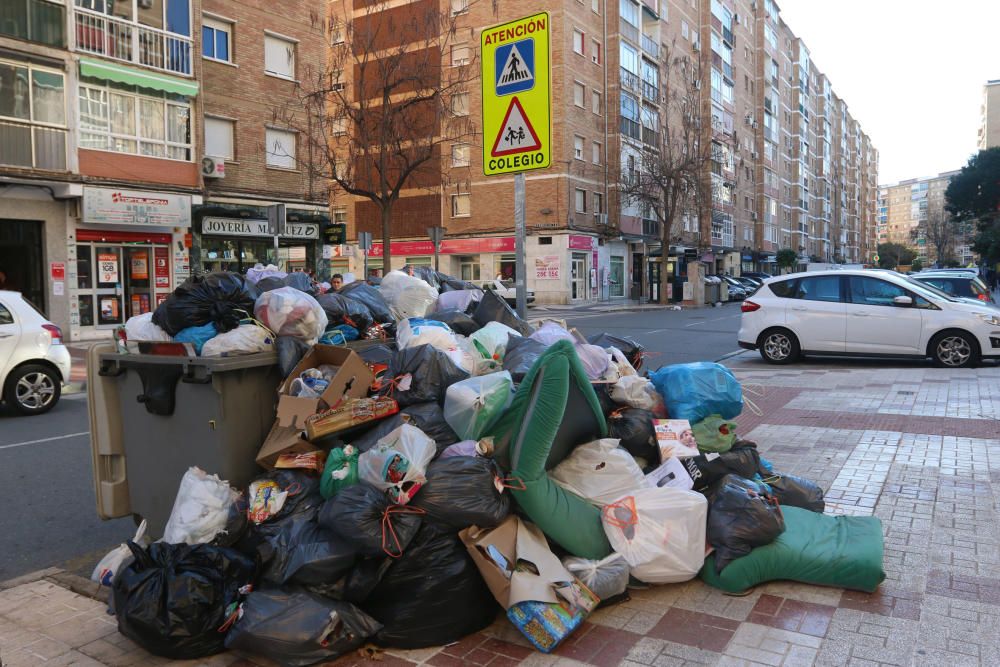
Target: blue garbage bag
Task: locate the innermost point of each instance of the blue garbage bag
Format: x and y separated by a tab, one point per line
198	336
695	391
339	335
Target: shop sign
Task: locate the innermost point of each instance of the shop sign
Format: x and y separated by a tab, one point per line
107	267
161	270
578	242
57	270
139	266
448	247
111	206
547	267
247	227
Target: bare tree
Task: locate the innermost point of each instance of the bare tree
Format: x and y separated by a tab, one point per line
671	176
377	116
940	231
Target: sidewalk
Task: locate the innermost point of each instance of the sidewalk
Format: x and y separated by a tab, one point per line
916	446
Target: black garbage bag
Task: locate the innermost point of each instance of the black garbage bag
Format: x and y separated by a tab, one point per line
303	552
358	583
222	298
425	273
300	281
740	518
521	354
631	348
461	491
742	460
634	427
795	491
270	283
364	516
453	284
459	322
603	391
433	595
173	599
428	417
375	354
361	291
494	309
302	488
290	353
237	525
341	310
294	627
430	372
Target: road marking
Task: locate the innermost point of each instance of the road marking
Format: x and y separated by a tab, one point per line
38	442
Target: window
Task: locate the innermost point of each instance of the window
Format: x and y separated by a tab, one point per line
32	116
819	288
629	12
577	147
279	57
616	276
117	119
460	104
596	153
598	203
874	292
338	125
595	53
784	288
470	268
578	42
461	206
579	93
629	58
459	6
280	148
581	201
216	36
459	55
460	155
35	21
595	6
595	102
219	137
685	30
340	215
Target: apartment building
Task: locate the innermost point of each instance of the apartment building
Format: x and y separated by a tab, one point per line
989	128
790	168
110	162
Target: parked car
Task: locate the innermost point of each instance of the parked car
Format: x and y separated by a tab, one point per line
866	313
737	292
756	274
508	291
957	283
750	284
34	363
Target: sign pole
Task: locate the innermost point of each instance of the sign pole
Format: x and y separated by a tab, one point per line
276	219
519	243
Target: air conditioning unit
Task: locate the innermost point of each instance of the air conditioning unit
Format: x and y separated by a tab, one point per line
213	167
696	45
754	155
753	216
601	218
755	125
697	84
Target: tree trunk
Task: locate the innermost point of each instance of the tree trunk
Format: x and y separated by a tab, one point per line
665	277
386	238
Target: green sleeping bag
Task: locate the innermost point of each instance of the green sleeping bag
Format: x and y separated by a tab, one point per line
841	551
554	410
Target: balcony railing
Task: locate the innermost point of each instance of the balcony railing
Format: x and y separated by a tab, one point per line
628	31
130	42
650	91
651	137
630	81
37	147
631	128
650	46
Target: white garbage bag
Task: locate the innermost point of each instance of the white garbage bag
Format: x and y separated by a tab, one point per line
244	339
599	471
660	532
141	327
259	272
414	331
606	578
459	299
595	360
398	463
472	406
407	295
635	391
290	312
201	508
491	341
550	333
112	563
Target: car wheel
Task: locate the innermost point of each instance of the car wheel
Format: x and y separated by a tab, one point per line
954	349
33	389
778	346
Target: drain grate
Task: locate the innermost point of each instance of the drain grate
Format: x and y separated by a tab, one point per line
906	393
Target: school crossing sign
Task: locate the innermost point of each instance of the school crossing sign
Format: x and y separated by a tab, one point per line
515	76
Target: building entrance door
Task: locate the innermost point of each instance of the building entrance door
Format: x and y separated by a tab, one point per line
578	276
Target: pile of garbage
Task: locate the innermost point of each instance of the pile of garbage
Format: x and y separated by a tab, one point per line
455	463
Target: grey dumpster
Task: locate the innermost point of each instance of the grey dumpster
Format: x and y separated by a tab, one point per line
154	416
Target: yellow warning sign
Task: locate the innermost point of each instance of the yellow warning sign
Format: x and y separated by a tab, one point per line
515	76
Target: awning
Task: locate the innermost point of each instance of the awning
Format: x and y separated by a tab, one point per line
137	77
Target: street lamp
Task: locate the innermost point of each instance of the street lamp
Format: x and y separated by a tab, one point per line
436	234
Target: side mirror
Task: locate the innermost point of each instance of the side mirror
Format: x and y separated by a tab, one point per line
903	301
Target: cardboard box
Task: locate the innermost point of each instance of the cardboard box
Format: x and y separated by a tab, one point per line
672	473
352	380
675	439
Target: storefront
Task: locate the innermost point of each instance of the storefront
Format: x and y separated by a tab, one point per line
478	260
21	260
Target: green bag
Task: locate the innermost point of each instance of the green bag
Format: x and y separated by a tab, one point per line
842	551
714	434
339	460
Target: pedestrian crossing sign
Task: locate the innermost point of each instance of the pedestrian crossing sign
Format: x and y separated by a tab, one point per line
516	101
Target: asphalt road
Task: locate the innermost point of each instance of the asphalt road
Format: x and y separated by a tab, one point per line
49	518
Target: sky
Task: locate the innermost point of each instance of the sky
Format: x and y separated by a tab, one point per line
911	72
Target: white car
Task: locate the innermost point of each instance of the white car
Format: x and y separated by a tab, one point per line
34	363
508	292
866	313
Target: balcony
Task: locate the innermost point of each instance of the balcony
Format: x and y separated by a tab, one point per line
130	42
628	31
631	128
650	46
630	81
650	91
650	136
32	147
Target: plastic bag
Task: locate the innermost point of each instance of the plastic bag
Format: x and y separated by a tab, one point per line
425	273
463	300
290	353
221	298
174	599
550	332
431	596
406	295
631	348
635	392
109	566
521	355
599	471
340	309
594	359
300	281
421	374
197	336
244	339
305	552
472	406
258	272
490	342
428	417
634	429
371	297
339	335
463	491
289	312
296	628
452	284
462	448
697	390
660	532
397	464
458	321
742	460
493	308
341	471
141	327
620	363
790	490
365	516
739	519
714	434
606	578
298	490
269	283
201	508
414	331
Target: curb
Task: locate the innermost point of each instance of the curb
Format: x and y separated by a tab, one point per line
71	388
63	579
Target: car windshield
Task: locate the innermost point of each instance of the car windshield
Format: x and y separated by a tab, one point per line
924	289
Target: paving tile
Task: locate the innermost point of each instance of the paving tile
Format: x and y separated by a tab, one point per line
793	615
696	629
